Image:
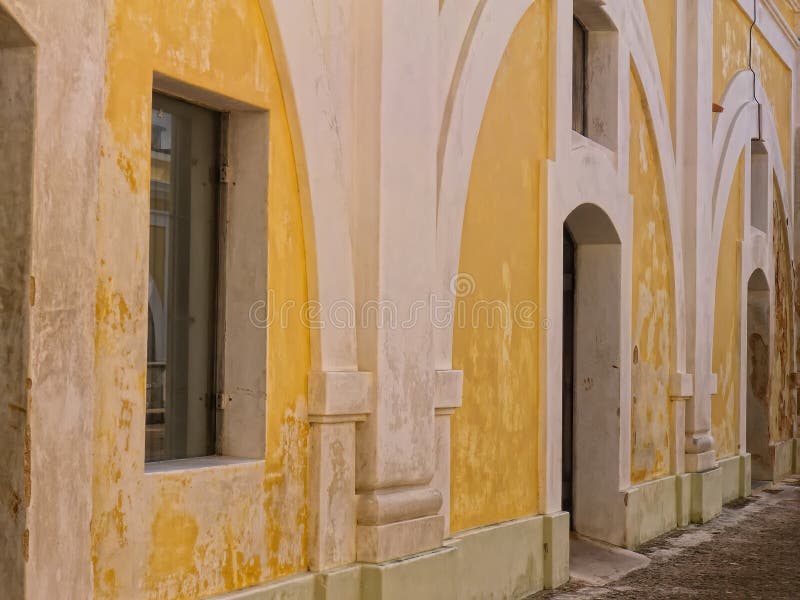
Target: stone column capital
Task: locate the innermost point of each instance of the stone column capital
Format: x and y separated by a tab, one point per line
681	386
338	396
449	388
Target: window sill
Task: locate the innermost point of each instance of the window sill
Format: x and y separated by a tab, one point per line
193	464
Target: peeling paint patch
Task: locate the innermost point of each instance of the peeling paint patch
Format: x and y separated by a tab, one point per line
127	169
212	530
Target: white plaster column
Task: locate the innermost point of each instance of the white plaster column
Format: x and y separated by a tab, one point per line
695	172
553	213
394	220
681	388
449	387
337	401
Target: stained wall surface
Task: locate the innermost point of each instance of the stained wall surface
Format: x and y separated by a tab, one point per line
782	401
82	512
191	532
726	351
652	308
732	54
51	60
495	432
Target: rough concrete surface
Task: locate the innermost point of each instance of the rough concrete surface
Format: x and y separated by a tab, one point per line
752	550
598	564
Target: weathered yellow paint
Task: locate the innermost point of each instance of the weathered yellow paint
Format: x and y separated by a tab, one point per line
731	42
495	433
726	352
192	533
663	18
782	402
172	528
652	299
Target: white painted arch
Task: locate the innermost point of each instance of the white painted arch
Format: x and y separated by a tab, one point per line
734	129
297	44
490	35
733	132
480	61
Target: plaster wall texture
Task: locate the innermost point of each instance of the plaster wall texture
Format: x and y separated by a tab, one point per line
731	478
731	53
191	532
17	91
769	251
782	400
494	435
384	121
652	302
725	403
652	510
52	101
663	18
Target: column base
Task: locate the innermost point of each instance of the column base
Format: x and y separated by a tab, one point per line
746	476
735	477
706	495
556	550
429	576
698	463
380	543
651	509
506	560
782	454
683	491
796	465
338	584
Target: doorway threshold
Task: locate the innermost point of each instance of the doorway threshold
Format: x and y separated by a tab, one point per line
598	564
758	485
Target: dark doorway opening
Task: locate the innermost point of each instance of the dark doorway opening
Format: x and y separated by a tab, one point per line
567	374
592	329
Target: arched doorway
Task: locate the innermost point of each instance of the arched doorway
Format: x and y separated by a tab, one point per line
758	366
591	381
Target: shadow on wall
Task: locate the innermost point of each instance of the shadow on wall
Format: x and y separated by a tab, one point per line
758	367
17	74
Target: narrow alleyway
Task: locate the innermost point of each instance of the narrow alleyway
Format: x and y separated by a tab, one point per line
752	550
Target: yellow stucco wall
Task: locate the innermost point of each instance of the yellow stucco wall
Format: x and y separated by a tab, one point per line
782	404
727	307
731	42
495	433
652	299
663	18
199	532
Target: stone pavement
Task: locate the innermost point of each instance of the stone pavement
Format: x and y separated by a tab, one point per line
752	550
